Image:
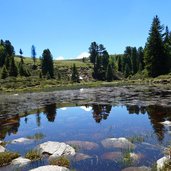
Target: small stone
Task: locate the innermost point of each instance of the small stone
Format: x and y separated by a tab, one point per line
21	141
2	149
142	168
50	168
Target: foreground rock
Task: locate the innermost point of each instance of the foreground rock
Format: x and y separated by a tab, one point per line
56	149
161	162
50	168
117	143
142	168
2	149
114	156
20	162
21	141
85	145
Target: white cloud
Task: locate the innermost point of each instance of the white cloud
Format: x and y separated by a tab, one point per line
83	54
63	108
87	109
59	58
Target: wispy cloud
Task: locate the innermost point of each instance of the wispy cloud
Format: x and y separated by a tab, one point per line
59	58
82	55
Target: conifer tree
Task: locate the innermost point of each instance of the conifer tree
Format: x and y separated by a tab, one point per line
47	64
4	73
155	58
109	73
75	75
13	71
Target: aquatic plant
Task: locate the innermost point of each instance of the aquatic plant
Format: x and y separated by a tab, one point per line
33	155
60	161
7	157
36	137
136	139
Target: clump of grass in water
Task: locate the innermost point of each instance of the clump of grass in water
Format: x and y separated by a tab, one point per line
3	143
33	155
7	157
60	161
136	139
36	137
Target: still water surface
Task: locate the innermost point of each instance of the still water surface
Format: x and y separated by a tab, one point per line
141	125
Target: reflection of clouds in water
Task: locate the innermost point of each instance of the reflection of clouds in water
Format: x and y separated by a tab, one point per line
87	109
63	108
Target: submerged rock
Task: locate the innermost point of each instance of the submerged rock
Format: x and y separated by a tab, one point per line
81	156
56	149
50	168
2	149
161	162
112	156
136	156
21	141
85	145
142	168
117	143
20	162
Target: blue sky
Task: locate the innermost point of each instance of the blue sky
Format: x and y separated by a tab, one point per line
67	27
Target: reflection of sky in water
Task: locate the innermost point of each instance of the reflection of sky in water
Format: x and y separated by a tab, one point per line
80	123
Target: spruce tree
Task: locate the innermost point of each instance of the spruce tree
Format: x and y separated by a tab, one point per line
4	73
109	73
155	58
47	64
75	75
13	71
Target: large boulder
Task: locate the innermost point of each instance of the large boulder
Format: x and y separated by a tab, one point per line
55	149
20	162
114	156
142	168
117	143
50	168
2	149
84	145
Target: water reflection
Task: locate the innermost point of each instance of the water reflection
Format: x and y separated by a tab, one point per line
50	112
101	112
156	114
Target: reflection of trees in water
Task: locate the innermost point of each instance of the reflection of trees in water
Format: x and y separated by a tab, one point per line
9	125
157	114
38	118
50	112
101	112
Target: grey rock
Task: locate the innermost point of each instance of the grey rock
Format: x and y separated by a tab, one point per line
117	143
142	168
55	149
2	149
20	162
21	141
50	168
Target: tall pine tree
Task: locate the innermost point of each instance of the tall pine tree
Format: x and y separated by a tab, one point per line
155	58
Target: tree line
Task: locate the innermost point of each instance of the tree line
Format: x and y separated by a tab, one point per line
152	60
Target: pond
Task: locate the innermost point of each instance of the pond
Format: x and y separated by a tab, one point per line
140	125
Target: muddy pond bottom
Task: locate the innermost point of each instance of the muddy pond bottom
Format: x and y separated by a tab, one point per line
138	135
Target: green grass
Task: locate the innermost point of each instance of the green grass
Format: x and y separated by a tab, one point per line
60	161
7	157
33	155
36	137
